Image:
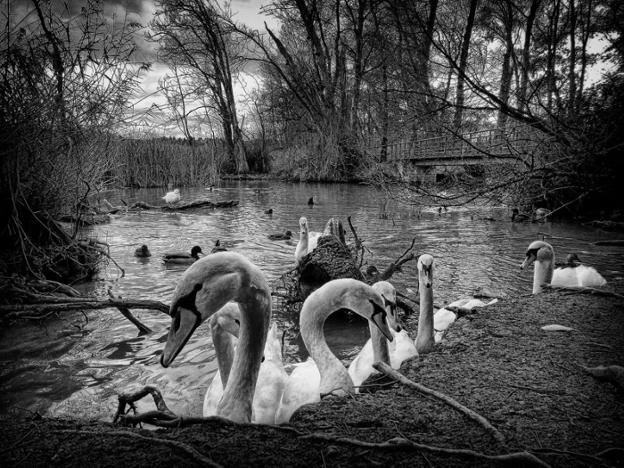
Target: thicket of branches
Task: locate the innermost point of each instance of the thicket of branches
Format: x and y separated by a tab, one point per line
65	79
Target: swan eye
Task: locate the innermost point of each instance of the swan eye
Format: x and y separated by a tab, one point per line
237	322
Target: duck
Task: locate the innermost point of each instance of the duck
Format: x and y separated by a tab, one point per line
269	211
544	272
142	252
517	217
207	286
311	201
377	347
183	258
225	326
218	247
172	197
281	236
443	318
307	240
323	373
540	215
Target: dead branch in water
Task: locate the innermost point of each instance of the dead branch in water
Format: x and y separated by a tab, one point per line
386	369
199	203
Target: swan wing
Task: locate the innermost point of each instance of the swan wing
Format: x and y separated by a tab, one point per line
213	396
442	319
401	348
269	389
589	276
565	277
362	366
302	387
313	238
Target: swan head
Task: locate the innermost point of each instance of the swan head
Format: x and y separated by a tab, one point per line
538	251
227	318
388	294
425	270
205	287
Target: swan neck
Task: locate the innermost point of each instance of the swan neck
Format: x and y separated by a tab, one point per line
334	376
381	352
224	350
241	385
542	274
425	339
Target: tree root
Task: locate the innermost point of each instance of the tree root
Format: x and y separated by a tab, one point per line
386	369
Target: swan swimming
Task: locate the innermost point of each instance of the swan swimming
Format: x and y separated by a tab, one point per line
205	287
323	373
172	197
544	272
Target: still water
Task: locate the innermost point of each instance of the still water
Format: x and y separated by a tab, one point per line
77	364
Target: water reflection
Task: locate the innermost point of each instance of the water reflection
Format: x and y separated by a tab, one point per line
71	367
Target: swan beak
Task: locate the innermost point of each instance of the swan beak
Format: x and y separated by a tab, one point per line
527	262
183	324
379	319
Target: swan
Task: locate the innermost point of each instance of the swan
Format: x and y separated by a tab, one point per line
425	337
172	197
205	287
183	258
444	317
543	255
142	252
307	240
225	325
377	347
323	373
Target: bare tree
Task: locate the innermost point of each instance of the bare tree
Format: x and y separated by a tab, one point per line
196	34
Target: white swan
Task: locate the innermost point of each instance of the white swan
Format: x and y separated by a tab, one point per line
324	374
172	197
205	287
444	317
307	240
425	338
272	377
544	272
377	348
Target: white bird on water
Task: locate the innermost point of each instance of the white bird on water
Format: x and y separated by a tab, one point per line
172	197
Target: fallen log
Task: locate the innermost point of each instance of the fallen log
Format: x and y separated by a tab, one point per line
199	203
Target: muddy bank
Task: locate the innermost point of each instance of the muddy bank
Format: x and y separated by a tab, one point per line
530	384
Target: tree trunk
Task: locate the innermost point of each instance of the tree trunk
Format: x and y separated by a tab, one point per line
526	57
506	71
463	59
571	73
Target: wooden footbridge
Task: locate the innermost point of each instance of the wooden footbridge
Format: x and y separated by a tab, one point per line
479	147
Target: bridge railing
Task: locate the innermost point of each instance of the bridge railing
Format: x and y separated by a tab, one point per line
485	143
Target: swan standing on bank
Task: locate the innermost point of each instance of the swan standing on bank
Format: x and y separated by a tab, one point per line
377	348
544	272
225	325
206	287
307	240
323	373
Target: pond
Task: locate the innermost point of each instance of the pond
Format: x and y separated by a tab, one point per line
77	364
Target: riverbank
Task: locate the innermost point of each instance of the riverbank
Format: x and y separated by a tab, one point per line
529	383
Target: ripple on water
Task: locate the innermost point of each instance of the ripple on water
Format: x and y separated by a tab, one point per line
71	367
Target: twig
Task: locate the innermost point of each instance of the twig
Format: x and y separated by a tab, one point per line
194	454
386	369
143	329
15	311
